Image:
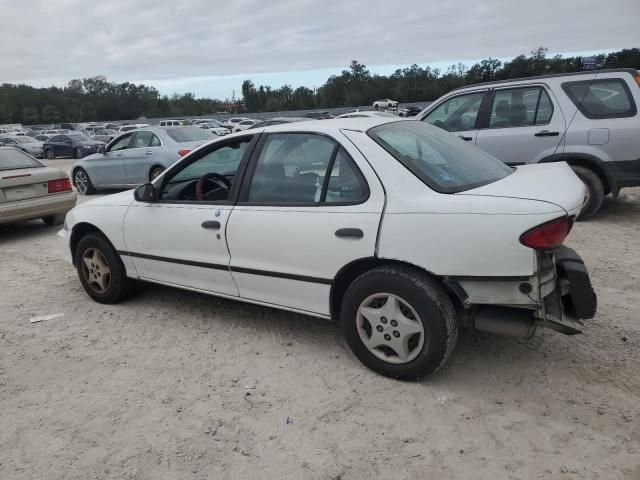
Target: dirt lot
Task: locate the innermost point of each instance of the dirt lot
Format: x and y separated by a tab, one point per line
174	384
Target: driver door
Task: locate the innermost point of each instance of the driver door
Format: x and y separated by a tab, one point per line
458	115
180	238
108	168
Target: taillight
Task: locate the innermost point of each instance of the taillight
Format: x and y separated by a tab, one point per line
637	78
57	186
183	152
548	235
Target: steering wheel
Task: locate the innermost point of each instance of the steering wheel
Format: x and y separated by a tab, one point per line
200	195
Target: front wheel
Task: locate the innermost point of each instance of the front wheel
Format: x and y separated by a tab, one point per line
50	154
82	182
77	153
595	192
101	271
399	322
155	173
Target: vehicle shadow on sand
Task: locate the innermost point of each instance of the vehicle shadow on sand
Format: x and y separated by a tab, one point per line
25	230
476	356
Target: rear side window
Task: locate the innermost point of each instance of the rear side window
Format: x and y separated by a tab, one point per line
520	107
597	99
305	169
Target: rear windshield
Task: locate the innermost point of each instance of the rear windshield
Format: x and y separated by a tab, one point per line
190	134
441	160
11	158
606	98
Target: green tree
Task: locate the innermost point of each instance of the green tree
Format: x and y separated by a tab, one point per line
50	114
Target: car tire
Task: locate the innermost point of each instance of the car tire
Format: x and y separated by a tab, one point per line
595	191
49	154
82	182
77	153
54	219
426	327
101	271
155	173
376	107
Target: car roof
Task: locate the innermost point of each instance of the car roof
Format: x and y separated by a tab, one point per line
550	75
334	125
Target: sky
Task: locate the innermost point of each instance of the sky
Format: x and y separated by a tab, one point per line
209	47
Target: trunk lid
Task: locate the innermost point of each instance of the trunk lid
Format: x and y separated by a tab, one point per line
24	183
553	183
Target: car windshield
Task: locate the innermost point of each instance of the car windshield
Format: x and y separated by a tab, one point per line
190	134
11	158
441	160
80	137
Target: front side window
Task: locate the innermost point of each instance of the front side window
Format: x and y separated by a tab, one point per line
209	178
304	169
597	99
520	107
457	114
438	159
121	143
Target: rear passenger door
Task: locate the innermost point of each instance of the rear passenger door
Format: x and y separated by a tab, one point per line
138	158
524	125
458	114
308	205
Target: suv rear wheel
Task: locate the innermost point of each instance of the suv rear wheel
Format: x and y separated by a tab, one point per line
399	322
595	191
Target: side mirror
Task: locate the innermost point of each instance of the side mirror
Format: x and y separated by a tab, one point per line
145	193
101	149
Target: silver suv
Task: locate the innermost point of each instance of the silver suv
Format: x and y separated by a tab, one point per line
588	119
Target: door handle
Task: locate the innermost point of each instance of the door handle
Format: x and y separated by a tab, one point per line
149	153
349	233
212	224
546	133
465	138
119	155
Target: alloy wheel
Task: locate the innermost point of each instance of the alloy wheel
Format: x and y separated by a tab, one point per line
96	270
81	181
390	328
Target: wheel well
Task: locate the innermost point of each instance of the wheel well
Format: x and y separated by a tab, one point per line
80	230
353	270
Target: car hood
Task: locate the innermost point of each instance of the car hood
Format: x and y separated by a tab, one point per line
117	199
553	183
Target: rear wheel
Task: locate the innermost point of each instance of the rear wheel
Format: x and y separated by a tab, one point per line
50	154
101	271
54	220
82	182
399	322
595	191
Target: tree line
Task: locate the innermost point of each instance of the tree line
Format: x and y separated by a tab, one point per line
95	98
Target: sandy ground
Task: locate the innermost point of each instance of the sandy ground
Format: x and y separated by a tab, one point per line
174	384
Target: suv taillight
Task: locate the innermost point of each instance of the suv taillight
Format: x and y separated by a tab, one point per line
548	235
57	186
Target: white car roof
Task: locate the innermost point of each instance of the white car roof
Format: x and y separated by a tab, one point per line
334	125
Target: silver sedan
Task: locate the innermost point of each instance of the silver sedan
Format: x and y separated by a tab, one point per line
136	157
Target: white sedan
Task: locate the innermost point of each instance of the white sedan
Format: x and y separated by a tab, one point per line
400	231
385	103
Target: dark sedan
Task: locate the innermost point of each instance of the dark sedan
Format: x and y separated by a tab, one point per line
76	145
